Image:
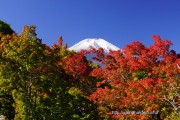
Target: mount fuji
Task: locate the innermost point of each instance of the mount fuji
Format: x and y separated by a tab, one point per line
95	43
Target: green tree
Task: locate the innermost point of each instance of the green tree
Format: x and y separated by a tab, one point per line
6	100
18	61
39	80
5	28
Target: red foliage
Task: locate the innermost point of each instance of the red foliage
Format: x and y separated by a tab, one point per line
133	79
77	66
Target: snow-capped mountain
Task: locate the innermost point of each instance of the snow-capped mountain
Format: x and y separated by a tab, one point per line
95	43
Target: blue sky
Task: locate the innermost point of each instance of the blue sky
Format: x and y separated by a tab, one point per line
117	21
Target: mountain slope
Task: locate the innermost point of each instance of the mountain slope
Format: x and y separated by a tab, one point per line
95	43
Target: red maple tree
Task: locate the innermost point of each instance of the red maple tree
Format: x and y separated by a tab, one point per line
138	82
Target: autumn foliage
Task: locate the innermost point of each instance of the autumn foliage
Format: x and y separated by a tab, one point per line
42	82
137	79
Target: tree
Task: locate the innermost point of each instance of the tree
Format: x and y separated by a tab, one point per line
74	85
18	63
138	82
5	28
6	100
39	81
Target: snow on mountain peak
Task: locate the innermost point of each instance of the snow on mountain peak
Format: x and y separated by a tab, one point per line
95	43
